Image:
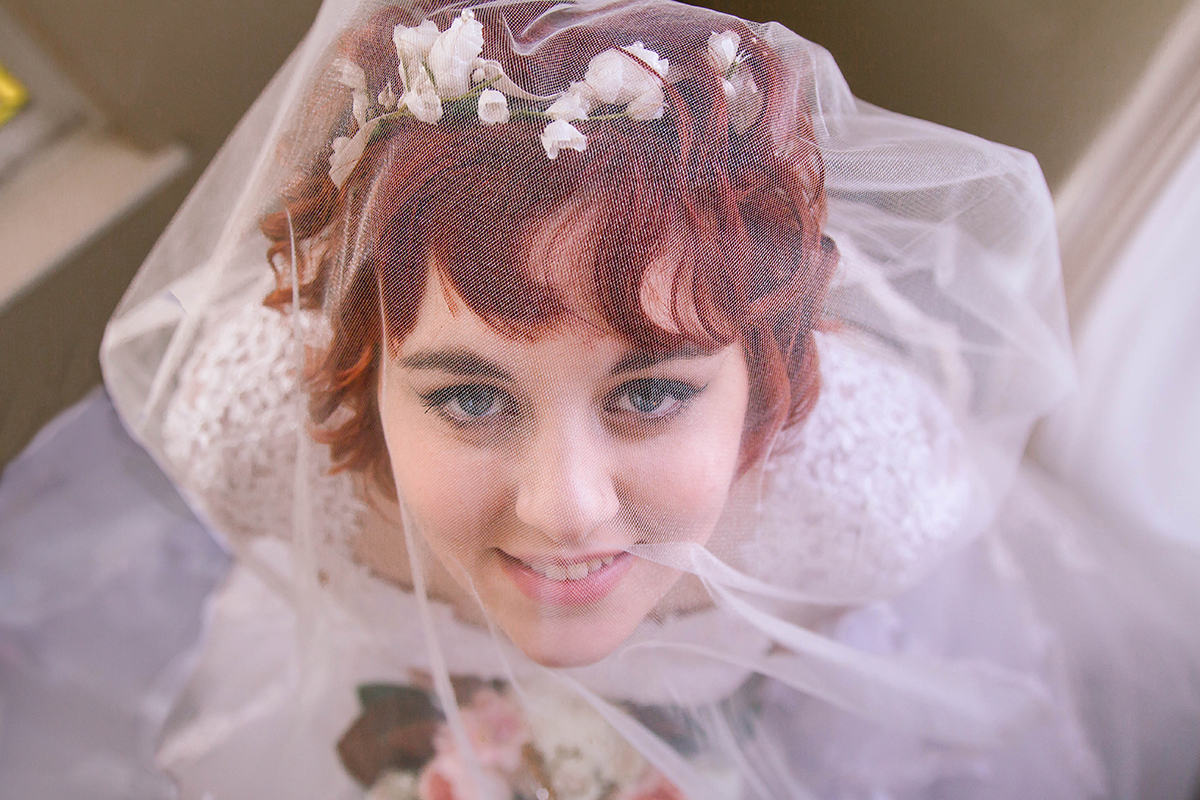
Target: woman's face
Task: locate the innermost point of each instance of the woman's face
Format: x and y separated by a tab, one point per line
530	466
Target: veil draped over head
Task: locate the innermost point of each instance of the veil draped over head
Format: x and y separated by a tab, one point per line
601	402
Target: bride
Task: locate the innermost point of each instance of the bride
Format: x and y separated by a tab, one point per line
600	402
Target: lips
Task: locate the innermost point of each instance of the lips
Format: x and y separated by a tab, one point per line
578	581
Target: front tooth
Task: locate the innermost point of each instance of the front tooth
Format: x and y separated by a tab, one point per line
577	572
595	564
555	573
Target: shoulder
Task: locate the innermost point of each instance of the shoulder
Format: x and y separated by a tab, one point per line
873	489
236	422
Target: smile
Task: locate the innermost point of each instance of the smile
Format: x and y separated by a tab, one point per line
560	582
575	571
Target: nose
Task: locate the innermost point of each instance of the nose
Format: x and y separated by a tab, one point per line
566	488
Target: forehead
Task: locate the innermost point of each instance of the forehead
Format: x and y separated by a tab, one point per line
446	322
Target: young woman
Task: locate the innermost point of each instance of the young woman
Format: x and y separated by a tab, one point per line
620	410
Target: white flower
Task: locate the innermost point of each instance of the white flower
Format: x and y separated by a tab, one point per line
565	727
394	785
722	50
340	143
452	56
387	98
647	106
562	135
493	107
422	98
350	74
412	44
570	106
617	76
425	106
347	152
362	104
648	57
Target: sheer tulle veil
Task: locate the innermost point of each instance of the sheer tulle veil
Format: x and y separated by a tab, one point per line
443	344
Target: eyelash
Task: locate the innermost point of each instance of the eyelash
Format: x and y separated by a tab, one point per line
439	400
680	391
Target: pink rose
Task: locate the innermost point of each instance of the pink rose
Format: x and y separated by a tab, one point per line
497	733
448	777
497	730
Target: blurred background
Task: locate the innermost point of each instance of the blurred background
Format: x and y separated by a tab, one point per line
114	109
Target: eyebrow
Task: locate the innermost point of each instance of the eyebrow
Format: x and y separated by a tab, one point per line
456	362
468	364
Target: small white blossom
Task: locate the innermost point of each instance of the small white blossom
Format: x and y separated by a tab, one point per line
452	56
722	50
572	105
412	44
422	98
493	107
479	75
360	107
348	150
562	135
350	74
340	143
617	77
648	105
648	57
388	98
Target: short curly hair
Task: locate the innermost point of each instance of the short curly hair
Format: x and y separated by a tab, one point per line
740	211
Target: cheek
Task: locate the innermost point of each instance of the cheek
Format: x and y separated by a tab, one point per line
683	480
451	491
685	483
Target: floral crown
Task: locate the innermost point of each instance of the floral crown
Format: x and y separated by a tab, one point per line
439	67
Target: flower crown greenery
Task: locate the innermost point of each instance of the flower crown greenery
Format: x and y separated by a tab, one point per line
443	68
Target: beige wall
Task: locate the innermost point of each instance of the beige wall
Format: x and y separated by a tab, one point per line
1039	74
169	70
1043	75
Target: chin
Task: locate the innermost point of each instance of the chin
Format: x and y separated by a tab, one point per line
563	649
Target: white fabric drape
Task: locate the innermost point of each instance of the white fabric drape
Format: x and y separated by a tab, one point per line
1131	438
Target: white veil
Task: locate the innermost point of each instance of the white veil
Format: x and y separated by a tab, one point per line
910	277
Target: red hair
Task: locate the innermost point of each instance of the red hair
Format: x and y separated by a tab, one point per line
737	212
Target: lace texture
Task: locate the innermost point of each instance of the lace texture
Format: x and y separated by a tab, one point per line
232	432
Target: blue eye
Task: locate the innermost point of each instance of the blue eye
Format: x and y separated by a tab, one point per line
466	403
651	397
